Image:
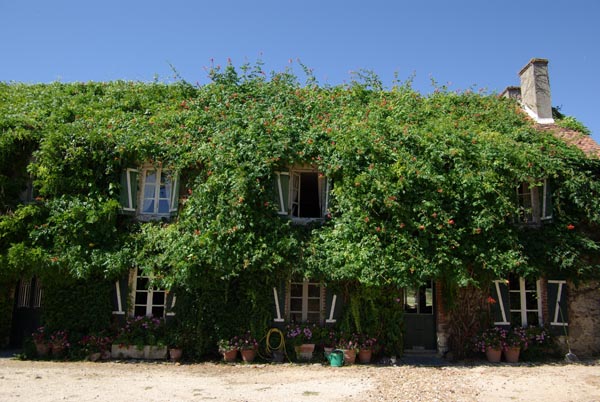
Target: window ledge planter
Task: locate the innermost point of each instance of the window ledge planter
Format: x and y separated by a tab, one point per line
146	352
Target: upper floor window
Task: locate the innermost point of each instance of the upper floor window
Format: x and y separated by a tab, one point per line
534	202
150	192
302	193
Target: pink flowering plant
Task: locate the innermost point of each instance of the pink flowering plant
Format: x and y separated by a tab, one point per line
141	330
40	335
490	338
95	343
348	341
516	337
227	345
366	342
60	339
247	341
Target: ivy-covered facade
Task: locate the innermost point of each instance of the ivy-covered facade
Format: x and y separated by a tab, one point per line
252	201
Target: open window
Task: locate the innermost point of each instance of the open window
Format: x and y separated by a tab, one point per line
534	202
302	193
150	192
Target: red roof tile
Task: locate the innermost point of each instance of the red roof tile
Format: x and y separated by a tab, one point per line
572	137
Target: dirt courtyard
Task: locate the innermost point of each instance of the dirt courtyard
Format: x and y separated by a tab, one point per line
127	381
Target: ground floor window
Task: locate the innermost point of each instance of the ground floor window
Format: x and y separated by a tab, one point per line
305	302
30	293
148	301
516	301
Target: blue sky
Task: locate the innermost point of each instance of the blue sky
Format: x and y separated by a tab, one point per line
480	44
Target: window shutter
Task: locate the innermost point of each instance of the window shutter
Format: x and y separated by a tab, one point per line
557	305
174	194
282	191
129	184
295	193
547	200
501	307
324	187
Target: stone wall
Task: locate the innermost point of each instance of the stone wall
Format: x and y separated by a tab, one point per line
584	318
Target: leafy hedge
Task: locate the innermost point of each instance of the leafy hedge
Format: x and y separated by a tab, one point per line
424	186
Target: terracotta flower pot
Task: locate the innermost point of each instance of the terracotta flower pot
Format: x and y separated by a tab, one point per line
175	354
248	355
230	355
493	355
42	349
349	356
365	355
511	355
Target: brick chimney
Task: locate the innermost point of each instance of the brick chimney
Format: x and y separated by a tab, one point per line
535	91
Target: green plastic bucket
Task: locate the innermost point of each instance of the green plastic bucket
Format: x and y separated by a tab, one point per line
336	358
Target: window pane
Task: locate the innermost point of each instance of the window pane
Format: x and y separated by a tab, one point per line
410	300
515	318
149	191
141	298
142	283
532	318
530	285
314	290
296	290
515	300
139	311
158	311
296	305
163	206
314	305
148	206
150	177
158	298
531	300
313	317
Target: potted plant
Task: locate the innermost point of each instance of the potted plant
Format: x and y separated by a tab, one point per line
141	338
330	340
248	347
491	342
300	336
96	346
349	344
41	340
60	343
229	348
515	340
365	348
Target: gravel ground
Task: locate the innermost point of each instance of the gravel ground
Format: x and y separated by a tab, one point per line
128	381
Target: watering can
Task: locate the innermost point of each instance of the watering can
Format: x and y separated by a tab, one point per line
336	358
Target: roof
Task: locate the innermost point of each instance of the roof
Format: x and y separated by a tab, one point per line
572	137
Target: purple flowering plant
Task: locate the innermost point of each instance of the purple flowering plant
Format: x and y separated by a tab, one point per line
40	335
298	334
95	343
516	337
492	338
60	339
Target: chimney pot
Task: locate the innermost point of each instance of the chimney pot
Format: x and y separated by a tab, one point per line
535	91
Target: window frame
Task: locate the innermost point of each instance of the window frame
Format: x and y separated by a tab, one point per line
539	200
419	297
289	193
149	304
305	312
134	183
507	310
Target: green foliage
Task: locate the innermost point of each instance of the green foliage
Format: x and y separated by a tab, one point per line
423	187
572	123
79	306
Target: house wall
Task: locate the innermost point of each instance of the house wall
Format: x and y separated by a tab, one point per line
584	318
441	321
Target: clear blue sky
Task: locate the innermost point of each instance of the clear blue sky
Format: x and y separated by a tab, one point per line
460	43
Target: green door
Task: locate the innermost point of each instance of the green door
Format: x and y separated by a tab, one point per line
419	318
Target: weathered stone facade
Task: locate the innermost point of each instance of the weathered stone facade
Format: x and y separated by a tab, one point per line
584	318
